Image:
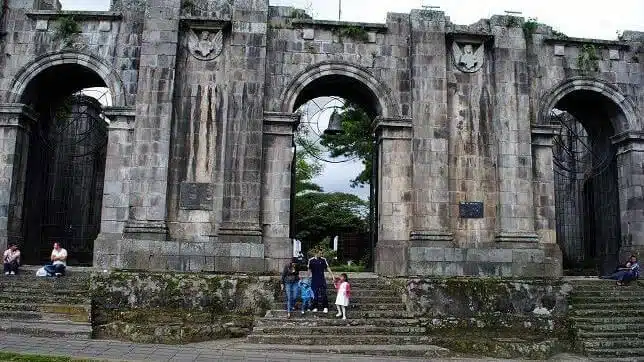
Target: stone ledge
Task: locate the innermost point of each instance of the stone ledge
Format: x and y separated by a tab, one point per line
581	41
77	15
341	24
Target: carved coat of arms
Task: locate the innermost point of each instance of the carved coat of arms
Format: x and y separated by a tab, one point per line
207	45
467	59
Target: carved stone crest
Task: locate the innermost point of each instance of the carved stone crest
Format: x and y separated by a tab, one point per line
205	44
466	58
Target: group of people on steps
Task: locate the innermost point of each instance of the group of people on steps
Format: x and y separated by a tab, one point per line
56	267
314	288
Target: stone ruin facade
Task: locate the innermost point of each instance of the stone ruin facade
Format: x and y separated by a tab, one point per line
199	143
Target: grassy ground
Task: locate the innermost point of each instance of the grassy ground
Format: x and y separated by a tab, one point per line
17	357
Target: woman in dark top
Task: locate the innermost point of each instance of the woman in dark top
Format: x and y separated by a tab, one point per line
290	278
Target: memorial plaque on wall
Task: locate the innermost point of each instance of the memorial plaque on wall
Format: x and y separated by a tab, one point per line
471	209
195	196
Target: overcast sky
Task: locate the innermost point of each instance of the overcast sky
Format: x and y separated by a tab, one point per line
587	19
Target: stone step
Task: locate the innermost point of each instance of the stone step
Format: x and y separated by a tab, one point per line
76	310
612	335
427	351
608	320
621	292
357	298
307	320
44	283
607	285
357	314
608	300
604	306
363	339
356	306
57	329
603	327
42	298
339	330
38	316
612	353
25	290
613	343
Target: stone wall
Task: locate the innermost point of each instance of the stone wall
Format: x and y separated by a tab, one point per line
177	307
507	318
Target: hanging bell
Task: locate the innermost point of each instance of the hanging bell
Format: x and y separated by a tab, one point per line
335	124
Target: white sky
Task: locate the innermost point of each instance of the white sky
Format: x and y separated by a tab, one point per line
577	18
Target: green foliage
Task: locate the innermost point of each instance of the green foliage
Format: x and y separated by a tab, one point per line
530	26
18	357
66	29
356	140
324	249
188	5
588	60
513	22
558	34
349	268
356	33
320	215
299	14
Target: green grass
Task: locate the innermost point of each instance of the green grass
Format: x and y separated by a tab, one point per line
18	357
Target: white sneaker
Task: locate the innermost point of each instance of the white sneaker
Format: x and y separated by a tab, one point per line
302	312
344	317
315	310
13	273
6	273
326	310
338	315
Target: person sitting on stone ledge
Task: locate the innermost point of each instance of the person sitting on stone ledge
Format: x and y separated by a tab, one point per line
11	260
58	261
626	274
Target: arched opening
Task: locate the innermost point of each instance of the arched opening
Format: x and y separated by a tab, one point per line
586	181
333	205
66	162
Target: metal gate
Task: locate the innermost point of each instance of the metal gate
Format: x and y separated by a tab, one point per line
65	180
586	196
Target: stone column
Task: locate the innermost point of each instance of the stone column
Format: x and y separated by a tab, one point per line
108	249
630	168
394	193
515	215
149	173
543	182
15	126
242	199
431	216
276	188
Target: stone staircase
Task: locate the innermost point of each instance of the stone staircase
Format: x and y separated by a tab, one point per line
376	324
608	319
46	307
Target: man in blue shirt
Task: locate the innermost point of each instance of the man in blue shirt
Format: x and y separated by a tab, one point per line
317	266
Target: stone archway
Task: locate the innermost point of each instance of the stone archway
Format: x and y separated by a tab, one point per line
590	188
29	72
63	153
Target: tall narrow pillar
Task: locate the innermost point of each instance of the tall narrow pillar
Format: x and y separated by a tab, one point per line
394	194
630	168
278	158
543	181
108	246
149	173
15	125
515	215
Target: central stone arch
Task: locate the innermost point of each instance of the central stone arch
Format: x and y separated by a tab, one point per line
295	93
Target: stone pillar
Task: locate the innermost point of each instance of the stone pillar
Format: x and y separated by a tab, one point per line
108	249
515	215
630	168
15	126
394	194
431	216
154	109
543	182
241	216
276	188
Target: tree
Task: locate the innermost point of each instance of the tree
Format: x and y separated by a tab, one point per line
356	141
319	215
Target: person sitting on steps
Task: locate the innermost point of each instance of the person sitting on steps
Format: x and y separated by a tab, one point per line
11	260
626	274
58	261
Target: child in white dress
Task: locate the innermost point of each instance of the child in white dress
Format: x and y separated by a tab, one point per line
344	293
